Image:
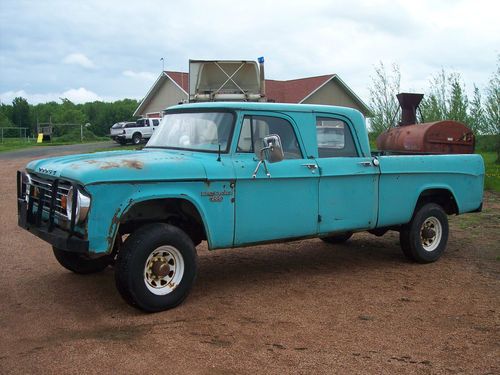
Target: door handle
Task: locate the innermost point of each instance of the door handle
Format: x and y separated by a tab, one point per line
311	166
365	163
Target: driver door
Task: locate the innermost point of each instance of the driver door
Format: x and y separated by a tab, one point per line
283	205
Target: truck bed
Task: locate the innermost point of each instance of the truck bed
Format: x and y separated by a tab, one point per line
404	177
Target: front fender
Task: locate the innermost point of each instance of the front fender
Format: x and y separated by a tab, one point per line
111	201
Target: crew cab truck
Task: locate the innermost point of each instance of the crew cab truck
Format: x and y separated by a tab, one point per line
237	174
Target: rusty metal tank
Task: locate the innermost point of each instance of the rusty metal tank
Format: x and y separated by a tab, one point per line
440	137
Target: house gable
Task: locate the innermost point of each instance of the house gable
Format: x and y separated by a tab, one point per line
168	94
332	92
171	89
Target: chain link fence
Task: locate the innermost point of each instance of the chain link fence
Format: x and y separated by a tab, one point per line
14	133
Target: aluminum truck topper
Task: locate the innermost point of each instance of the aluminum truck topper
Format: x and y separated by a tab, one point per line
225	80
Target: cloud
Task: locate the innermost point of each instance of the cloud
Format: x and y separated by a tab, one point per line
80	95
79	59
333	36
77	96
144	76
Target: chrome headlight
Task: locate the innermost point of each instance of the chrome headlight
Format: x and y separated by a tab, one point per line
26	181
82	205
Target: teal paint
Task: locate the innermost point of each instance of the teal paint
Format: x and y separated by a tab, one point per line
239	210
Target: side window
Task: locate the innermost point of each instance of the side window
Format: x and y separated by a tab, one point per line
245	143
156	122
334	138
255	128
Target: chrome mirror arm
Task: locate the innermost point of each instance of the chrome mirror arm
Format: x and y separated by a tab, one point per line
262	161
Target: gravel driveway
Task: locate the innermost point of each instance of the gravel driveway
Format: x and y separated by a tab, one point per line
303	307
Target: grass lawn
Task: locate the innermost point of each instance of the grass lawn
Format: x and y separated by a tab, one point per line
492	175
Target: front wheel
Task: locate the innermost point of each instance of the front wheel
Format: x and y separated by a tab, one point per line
79	263
156	267
136	138
424	238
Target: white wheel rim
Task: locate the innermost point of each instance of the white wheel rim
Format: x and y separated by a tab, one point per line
163	270
431	232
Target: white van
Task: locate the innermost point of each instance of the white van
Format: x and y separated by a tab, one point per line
135	132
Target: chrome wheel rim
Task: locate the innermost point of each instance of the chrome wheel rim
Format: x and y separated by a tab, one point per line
163	270
431	232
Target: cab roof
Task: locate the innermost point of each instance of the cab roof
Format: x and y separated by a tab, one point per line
264	106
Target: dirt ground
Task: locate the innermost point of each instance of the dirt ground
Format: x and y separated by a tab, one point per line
302	307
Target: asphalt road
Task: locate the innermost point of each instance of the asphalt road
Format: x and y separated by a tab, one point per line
45	151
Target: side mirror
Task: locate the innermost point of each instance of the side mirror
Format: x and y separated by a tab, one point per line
272	150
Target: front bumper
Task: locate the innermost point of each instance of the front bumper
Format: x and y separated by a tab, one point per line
55	236
32	218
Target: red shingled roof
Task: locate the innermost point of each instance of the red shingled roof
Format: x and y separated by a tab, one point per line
294	90
182	79
291	91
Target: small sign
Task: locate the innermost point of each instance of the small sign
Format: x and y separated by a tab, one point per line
40	138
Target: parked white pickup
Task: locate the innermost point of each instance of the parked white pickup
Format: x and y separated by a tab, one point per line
134	132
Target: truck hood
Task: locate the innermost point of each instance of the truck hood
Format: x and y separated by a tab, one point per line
120	166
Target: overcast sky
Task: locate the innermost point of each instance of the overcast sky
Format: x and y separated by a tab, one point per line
108	49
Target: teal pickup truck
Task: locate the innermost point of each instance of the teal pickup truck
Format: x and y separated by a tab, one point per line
237	174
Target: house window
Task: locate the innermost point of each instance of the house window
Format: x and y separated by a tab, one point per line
334	138
255	128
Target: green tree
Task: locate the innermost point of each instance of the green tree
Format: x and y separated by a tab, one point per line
434	105
445	99
431	109
101	115
5	116
457	100
476	113
383	101
492	108
69	113
21	115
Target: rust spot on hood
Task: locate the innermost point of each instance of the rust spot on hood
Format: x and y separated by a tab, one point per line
109	165
126	163
136	164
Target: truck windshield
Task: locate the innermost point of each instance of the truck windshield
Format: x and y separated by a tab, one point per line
196	131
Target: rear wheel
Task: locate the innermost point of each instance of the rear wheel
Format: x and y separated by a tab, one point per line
79	263
338	238
156	267
136	138
424	239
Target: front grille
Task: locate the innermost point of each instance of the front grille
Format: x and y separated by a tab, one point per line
42	188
